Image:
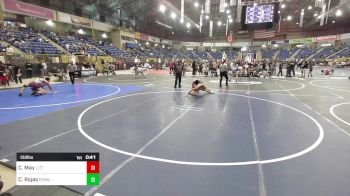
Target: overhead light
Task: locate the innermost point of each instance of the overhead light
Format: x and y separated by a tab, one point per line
225	4
315	14
50	23
155	44
255	4
264	46
188	31
230	20
196	4
297	23
279	12
202	11
147	43
163	46
104	35
289	18
229	16
162	8
219	23
276	45
333	21
173	15
283	5
188	25
338	13
181	20
139	44
310	7
207	17
80	31
227	11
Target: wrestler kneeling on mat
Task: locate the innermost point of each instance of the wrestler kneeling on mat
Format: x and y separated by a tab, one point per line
37	87
197	86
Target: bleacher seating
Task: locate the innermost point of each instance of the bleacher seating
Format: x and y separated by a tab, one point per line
29	41
190	54
216	55
74	45
231	54
268	53
201	54
326	52
345	52
305	52
107	47
286	53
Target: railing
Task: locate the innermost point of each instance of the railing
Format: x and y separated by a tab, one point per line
19	59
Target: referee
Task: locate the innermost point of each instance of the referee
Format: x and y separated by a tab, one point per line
71	71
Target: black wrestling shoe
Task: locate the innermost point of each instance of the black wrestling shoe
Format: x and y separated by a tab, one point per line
20	94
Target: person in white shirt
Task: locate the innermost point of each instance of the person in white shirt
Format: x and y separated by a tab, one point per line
43	69
9	49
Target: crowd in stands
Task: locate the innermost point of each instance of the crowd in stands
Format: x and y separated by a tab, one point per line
74	44
28	41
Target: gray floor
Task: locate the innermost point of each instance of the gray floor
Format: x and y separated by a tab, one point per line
191	138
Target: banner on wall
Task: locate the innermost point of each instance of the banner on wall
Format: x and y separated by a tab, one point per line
207	44
154	39
165	41
76	20
326	38
258	43
141	36
102	26
224	44
191	44
345	36
307	40
280	42
19	7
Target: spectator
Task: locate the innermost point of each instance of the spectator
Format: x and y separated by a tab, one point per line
17	75
9	50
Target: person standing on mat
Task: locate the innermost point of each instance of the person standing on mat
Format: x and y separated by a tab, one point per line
71	72
223	71
280	67
194	68
178	69
17	75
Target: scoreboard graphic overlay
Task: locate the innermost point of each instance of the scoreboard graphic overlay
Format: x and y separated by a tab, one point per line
259	14
58	169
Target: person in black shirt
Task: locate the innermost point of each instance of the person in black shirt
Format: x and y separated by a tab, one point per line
280	67
194	67
310	69
288	73
29	69
292	67
178	69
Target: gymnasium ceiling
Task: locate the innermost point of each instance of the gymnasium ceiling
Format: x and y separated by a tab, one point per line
144	15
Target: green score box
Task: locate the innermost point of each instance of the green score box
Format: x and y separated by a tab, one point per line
92	179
